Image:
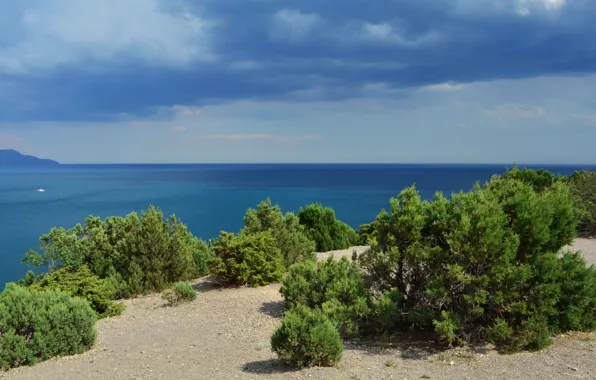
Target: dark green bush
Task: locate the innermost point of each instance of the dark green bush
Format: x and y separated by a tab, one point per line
325	229
248	259
583	188
202	257
482	265
577	302
367	234
386	310
540	179
38	325
29	278
335	287
138	254
180	293
307	338
289	235
84	284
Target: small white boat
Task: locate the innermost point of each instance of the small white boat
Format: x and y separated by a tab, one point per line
40	190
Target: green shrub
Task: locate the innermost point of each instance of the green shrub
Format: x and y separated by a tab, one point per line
138	254
583	188
307	338
577	302
289	235
180	293
387	310
334	286
84	284
38	325
115	310
367	234
325	230
481	265
540	179
29	279
544	221
248	259
202	257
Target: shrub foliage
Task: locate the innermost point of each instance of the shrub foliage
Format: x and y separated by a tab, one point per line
138	254
540	179
248	259
307	338
180	293
583	187
289	234
325	229
335	287
367	234
577	301
202	257
84	284
481	265
38	325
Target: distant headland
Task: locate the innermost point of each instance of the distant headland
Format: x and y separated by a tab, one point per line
10	158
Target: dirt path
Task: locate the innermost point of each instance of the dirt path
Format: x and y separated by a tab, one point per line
225	333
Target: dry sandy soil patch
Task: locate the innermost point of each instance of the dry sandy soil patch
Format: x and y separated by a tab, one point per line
225	333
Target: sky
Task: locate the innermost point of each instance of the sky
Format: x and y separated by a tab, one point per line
181	81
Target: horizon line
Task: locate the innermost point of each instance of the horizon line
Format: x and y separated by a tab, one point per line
326	163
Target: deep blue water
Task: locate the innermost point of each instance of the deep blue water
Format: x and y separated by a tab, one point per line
208	198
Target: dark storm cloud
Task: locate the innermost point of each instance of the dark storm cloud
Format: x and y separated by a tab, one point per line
266	49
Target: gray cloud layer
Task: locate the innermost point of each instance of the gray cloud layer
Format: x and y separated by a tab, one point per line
69	60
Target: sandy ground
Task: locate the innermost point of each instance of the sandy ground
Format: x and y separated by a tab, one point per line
343	252
587	247
225	333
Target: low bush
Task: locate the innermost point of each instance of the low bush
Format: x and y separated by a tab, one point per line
115	310
325	229
582	185
307	338
367	234
333	286
577	302
540	179
482	265
180	293
289	234
84	284
202	257
583	188
38	325
138	254
248	259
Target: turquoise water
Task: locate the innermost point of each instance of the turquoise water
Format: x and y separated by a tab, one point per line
208	198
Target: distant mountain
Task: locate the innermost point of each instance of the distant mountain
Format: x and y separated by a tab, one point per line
10	158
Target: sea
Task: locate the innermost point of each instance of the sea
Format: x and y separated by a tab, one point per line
208	198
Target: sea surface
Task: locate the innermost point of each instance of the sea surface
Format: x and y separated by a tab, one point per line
208	198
